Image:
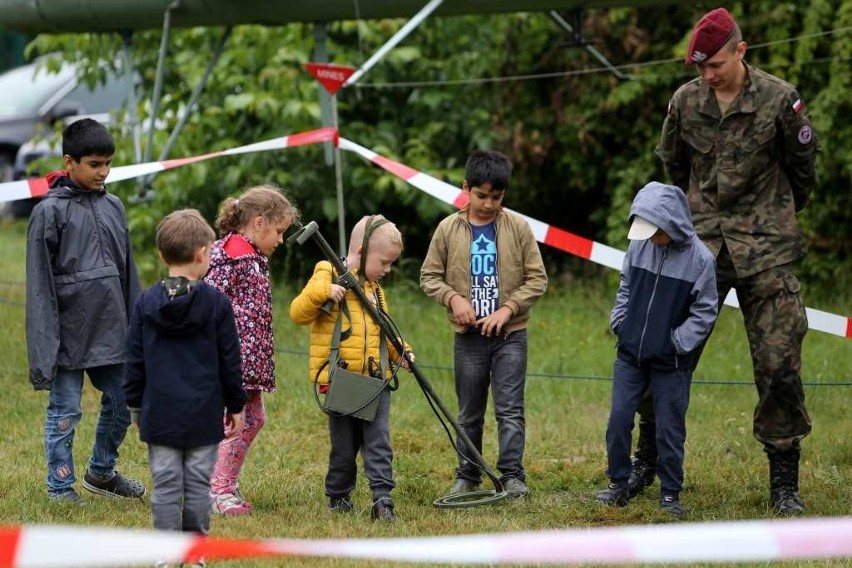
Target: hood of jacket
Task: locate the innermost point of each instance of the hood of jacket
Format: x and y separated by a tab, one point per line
61	185
181	315
666	207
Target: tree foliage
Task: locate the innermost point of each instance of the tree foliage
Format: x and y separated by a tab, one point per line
581	139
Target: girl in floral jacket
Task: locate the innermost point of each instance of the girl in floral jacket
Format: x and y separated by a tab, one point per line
251	227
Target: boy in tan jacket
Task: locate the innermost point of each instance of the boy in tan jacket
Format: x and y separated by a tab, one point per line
484	266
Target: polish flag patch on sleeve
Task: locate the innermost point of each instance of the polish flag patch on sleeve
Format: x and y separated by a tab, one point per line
798	105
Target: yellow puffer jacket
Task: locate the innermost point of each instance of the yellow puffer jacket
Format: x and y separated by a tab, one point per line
362	344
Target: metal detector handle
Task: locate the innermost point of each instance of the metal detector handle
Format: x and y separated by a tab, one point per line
304	233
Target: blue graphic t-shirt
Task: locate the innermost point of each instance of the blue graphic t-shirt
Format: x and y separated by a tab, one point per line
483	270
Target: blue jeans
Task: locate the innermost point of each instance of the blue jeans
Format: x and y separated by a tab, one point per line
64	413
501	364
670	392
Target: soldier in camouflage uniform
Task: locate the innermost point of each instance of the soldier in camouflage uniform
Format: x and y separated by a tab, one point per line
738	142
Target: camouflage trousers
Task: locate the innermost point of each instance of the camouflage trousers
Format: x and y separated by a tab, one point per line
776	323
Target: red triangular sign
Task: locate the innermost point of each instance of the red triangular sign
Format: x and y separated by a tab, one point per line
332	77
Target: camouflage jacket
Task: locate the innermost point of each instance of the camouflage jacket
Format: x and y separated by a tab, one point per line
745	173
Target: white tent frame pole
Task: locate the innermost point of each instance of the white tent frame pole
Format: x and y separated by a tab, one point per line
403	32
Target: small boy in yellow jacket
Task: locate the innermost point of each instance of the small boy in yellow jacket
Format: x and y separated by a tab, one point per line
374	245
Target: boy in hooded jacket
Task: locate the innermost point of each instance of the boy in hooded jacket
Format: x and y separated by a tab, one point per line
81	283
183	371
664	311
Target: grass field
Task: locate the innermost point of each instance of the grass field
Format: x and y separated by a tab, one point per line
571	353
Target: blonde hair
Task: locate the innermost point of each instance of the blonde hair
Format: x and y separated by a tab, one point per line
267	201
387	232
181	233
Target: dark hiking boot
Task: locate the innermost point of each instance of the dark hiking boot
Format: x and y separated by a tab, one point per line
643	466
786	501
642	475
383	510
615	495
784	482
340	504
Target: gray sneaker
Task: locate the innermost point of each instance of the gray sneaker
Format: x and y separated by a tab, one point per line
516	488
69	496
464	486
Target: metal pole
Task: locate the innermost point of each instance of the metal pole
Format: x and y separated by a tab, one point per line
409	26
338	180
132	102
590	48
158	81
321	56
196	94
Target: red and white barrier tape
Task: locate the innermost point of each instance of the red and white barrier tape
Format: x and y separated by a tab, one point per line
36	187
553	236
561	239
738	541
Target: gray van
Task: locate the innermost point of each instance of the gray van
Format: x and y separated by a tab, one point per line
32	100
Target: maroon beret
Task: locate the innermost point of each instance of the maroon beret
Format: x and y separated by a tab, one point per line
709	35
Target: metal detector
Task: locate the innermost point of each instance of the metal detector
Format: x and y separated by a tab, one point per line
471	499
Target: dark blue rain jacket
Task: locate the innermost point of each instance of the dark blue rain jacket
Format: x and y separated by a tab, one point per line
667	302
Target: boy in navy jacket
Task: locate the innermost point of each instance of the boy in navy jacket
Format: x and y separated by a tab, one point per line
664	310
183	371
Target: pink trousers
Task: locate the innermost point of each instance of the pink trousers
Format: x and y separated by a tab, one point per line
233	450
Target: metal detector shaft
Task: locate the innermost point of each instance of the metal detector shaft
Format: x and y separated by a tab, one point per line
311	230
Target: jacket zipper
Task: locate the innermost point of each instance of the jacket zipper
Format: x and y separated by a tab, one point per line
651	302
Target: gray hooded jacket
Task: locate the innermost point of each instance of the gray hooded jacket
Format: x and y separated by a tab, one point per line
667	302
81	282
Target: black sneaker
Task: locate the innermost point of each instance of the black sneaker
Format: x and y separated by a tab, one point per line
117	486
383	510
786	501
671	504
340	504
614	495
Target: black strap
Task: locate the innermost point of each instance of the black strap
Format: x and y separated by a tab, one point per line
373	223
339	335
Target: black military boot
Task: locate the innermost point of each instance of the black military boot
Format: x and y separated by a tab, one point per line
784	482
643	467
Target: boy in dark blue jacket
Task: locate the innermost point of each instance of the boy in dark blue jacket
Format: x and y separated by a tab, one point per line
183	371
664	311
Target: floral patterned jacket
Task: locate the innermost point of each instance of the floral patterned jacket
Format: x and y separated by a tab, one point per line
241	272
